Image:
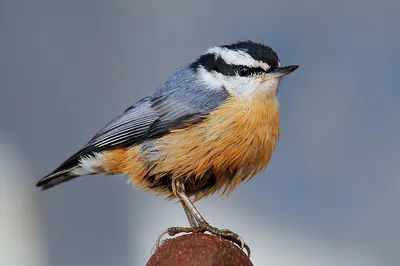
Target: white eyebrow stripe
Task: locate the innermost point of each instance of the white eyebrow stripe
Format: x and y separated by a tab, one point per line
237	57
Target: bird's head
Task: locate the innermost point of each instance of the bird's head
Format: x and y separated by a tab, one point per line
244	68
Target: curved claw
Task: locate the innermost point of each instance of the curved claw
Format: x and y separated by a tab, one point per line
153	250
241	241
160	235
247	249
229	235
238	239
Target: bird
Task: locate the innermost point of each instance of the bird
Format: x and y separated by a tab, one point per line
206	129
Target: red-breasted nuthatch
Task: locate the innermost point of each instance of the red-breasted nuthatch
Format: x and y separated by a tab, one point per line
208	128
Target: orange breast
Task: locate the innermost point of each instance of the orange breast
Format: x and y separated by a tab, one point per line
232	144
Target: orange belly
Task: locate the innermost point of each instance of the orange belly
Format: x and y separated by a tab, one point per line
231	144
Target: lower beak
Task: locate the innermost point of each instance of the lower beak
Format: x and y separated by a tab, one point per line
282	71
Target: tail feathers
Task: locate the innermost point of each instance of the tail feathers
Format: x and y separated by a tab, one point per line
83	165
57	178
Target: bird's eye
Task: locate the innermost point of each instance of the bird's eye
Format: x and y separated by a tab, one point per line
244	71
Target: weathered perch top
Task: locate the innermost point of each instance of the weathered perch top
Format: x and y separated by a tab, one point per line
199	249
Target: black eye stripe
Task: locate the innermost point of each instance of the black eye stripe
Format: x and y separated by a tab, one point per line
245	71
254	70
210	63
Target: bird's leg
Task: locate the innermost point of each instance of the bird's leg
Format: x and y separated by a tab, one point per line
191	219
202	225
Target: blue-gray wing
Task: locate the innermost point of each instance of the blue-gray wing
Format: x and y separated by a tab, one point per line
178	102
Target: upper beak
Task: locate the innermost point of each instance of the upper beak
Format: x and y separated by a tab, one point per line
281	71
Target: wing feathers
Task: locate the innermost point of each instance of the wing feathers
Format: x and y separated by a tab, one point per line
174	105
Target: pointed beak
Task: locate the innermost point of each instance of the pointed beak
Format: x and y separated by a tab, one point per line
281	71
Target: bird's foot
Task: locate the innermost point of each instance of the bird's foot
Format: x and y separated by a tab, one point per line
224	233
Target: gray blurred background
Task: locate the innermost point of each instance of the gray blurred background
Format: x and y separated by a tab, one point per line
330	193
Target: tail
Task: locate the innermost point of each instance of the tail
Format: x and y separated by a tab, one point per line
57	177
75	166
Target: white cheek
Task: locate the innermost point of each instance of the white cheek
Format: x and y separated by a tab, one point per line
233	84
270	85
208	78
237	85
258	87
247	86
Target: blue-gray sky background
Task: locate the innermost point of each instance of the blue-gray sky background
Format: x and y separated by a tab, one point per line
331	191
